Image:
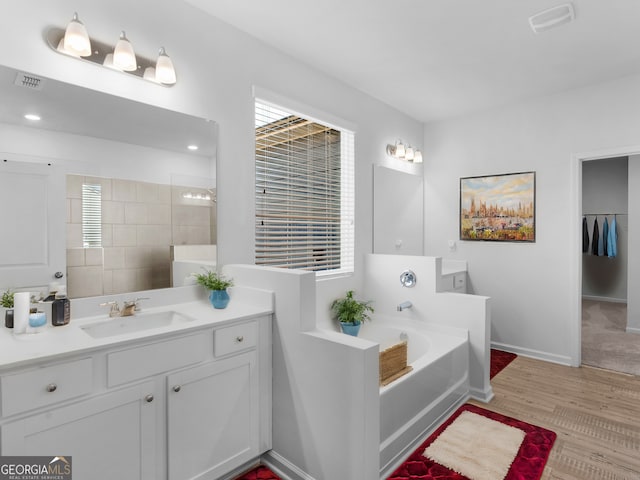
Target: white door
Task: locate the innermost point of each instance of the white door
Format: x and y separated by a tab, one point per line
33	224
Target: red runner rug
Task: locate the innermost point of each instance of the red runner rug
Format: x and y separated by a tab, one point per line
499	360
259	473
528	464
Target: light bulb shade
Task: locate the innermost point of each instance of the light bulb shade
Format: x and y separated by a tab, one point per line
400	150
150	74
76	38
408	155
417	157
61	49
108	62
165	73
123	56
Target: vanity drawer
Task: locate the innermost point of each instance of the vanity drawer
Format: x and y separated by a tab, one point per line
235	338
43	386
147	360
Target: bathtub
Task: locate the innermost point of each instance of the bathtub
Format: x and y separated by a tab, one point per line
413	404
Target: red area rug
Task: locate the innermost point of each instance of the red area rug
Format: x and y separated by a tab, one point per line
528	464
259	473
499	360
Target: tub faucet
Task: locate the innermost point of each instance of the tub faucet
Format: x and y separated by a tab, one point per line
404	305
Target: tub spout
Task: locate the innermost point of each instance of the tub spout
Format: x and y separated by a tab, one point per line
404	305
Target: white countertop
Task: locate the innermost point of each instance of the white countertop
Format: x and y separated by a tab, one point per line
52	342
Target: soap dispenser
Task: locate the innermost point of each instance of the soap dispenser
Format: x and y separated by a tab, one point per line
60	308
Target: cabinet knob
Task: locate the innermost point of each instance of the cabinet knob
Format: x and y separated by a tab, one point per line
52	387
239	339
176	388
149	398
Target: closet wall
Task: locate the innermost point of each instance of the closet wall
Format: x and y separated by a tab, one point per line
605	188
633	305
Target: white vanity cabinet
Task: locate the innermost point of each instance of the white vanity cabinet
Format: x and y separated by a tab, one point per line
112	435
192	405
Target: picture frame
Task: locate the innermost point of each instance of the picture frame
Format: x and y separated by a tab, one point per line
498	208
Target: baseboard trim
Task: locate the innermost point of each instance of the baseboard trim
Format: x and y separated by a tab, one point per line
537	354
484	396
604	299
283	467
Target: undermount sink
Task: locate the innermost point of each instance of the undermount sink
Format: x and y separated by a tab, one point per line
135	323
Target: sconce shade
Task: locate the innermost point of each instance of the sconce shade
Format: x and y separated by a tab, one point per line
108	62
123	56
409	154
417	158
400	150
165	73
76	38
150	74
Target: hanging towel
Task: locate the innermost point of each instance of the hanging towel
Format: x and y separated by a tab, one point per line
585	235
605	237
595	237
613	239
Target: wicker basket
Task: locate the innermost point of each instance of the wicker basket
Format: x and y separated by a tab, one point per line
393	363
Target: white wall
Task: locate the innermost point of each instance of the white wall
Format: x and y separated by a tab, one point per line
326	402
217	67
633	277
534	287
605	190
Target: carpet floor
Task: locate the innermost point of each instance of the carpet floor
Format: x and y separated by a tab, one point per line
605	342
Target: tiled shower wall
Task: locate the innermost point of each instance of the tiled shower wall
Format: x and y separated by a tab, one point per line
140	221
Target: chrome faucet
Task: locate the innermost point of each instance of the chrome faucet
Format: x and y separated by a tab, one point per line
131	307
114	311
404	305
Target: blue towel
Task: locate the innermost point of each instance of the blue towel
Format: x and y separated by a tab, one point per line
613	239
605	237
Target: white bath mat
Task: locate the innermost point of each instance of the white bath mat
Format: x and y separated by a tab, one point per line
477	447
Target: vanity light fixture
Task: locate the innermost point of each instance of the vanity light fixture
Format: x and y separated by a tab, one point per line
192	147
75	42
32	116
404	152
76	39
196	196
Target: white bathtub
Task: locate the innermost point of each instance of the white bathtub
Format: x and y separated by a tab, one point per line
438	383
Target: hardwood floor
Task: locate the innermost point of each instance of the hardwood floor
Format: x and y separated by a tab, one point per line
595	413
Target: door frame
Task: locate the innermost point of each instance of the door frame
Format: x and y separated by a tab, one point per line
576	238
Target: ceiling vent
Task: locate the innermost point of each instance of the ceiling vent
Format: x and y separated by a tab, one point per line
29	81
552	17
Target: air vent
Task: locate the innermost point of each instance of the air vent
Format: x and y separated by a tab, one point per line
29	81
552	17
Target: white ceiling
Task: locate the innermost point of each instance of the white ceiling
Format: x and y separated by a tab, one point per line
435	59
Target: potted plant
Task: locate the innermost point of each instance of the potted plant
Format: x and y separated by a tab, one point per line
6	301
351	313
217	284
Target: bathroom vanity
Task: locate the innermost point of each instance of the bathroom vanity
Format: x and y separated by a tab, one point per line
184	394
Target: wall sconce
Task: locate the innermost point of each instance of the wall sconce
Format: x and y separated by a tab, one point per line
404	152
74	41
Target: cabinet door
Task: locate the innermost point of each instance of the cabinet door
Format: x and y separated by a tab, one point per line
109	436
213	423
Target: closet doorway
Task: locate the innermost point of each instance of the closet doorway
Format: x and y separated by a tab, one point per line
609	340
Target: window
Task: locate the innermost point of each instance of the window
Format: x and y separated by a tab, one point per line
91	215
304	193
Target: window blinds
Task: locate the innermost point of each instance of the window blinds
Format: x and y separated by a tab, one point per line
304	193
91	215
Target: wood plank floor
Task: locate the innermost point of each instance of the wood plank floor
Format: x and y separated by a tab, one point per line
595	413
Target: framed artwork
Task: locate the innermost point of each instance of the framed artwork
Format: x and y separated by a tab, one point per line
498	208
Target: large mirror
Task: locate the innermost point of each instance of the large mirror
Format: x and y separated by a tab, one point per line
102	194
